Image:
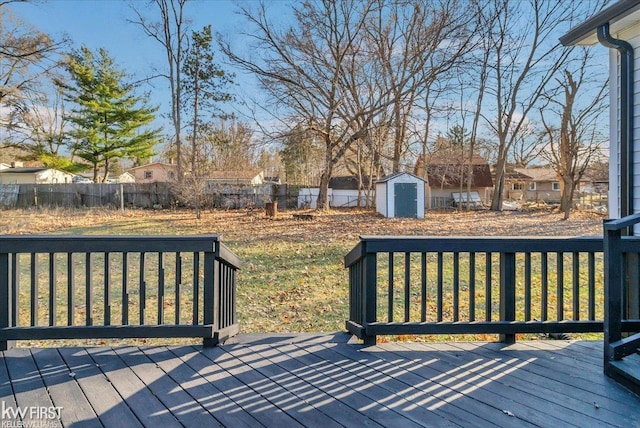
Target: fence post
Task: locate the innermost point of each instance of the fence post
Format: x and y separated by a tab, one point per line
6	307
209	285
370	292
508	293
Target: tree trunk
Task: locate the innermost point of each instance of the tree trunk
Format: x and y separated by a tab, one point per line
323	195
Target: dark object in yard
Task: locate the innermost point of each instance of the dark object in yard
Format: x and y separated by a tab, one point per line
303	216
271	209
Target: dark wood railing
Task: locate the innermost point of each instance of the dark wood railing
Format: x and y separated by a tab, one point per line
505	286
80	287
622	299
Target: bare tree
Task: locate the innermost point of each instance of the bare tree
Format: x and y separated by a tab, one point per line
26	57
313	69
416	43
341	64
572	146
524	57
171	32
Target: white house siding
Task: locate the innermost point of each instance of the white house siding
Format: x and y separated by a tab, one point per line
632	35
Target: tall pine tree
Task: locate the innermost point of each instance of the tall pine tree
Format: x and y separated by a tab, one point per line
109	121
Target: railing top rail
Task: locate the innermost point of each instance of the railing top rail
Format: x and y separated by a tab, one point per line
110	243
622	223
229	256
502	244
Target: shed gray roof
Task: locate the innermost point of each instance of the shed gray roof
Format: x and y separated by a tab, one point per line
397	174
615	13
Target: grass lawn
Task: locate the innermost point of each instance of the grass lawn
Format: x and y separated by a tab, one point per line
292	278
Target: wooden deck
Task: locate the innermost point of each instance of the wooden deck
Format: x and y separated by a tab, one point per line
320	380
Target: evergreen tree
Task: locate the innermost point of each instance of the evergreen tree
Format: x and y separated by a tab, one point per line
109	121
204	85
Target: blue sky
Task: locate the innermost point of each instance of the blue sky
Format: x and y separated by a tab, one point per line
103	24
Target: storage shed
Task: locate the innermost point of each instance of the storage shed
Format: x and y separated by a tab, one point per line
400	195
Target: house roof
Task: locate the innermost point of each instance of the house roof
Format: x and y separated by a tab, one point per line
234	175
152	164
619	15
445	171
348	182
23	170
397	174
517	176
539	174
438	177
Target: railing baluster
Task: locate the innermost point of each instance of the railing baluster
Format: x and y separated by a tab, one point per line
440	286
456	286
88	290
178	284
487	280
125	288
53	292
407	285
196	287
544	284
592	286
576	286
423	284
71	274
34	289
15	288
143	289
160	288
560	289
391	291
472	286
5	297
527	286
107	290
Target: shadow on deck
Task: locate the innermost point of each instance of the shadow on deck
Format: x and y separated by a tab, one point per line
320	380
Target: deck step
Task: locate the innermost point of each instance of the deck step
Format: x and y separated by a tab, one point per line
627	372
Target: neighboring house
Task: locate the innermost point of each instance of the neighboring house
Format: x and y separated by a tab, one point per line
4	166
252	177
594	182
154	172
448	175
536	184
344	191
618	28
125	177
33	175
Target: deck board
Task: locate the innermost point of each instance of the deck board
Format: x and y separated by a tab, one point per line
104	399
65	393
322	380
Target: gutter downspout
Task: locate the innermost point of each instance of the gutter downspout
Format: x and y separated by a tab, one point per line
626	116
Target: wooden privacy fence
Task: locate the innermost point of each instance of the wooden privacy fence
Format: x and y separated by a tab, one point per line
434	285
79	287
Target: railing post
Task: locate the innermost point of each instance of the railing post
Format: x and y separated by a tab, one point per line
370	292
612	292
210	285
6	299
508	293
